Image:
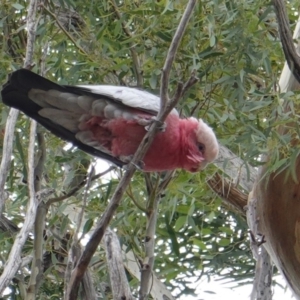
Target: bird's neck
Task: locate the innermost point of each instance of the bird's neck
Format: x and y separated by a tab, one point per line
187	128
187	131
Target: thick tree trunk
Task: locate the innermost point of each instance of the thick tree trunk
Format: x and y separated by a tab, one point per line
278	212
278	195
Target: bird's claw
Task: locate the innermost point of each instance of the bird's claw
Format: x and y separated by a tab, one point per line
128	160
148	122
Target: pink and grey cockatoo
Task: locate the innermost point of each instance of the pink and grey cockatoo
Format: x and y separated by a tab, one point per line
109	122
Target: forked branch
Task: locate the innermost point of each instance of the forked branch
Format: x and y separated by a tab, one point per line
166	107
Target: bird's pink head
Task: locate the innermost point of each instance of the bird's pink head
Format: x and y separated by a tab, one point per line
203	146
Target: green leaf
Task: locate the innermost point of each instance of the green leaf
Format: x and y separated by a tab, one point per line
199	243
87	226
17	6
180	223
224	242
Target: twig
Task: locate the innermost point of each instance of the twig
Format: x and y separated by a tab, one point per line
80	217
139	206
291	56
148	261
75	249
134	54
64	30
152	212
77	188
165	78
40	162
43	69
6	153
165	108
39	222
14	260
228	193
31	29
264	268
163	185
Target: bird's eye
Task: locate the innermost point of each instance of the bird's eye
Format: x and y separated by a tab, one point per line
201	147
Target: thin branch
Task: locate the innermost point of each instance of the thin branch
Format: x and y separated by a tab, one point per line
39	223
64	30
88	287
73	255
81	214
165	108
130	195
14	260
134	54
228	192
43	69
78	187
159	291
167	179
262	284
147	273
148	261
7	153
13	113
236	169
164	98
31	29
75	249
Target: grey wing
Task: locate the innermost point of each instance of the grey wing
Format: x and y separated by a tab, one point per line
59	109
131	97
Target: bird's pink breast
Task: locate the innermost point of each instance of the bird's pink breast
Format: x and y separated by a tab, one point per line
122	137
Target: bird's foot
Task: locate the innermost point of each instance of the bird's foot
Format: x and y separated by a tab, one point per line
128	161
148	122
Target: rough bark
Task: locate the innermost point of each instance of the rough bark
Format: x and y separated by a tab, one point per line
279	221
118	279
278	195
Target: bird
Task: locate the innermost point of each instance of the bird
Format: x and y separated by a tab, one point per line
110	121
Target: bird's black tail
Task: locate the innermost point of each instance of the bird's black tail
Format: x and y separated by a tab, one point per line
15	91
15	94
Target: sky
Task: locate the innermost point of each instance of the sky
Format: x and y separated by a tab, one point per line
225	291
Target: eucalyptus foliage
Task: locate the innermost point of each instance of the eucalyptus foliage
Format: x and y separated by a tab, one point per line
234	48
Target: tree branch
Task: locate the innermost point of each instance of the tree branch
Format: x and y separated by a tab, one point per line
134	54
228	193
7	153
118	279
291	56
14	260
78	187
64	30
165	78
158	291
236	169
31	29
165	108
39	224
148	261
75	249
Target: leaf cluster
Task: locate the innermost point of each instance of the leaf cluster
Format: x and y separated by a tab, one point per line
234	48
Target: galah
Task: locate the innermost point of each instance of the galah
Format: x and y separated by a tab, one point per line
110	121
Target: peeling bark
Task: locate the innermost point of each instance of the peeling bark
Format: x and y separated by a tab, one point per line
278	195
118	280
279	220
